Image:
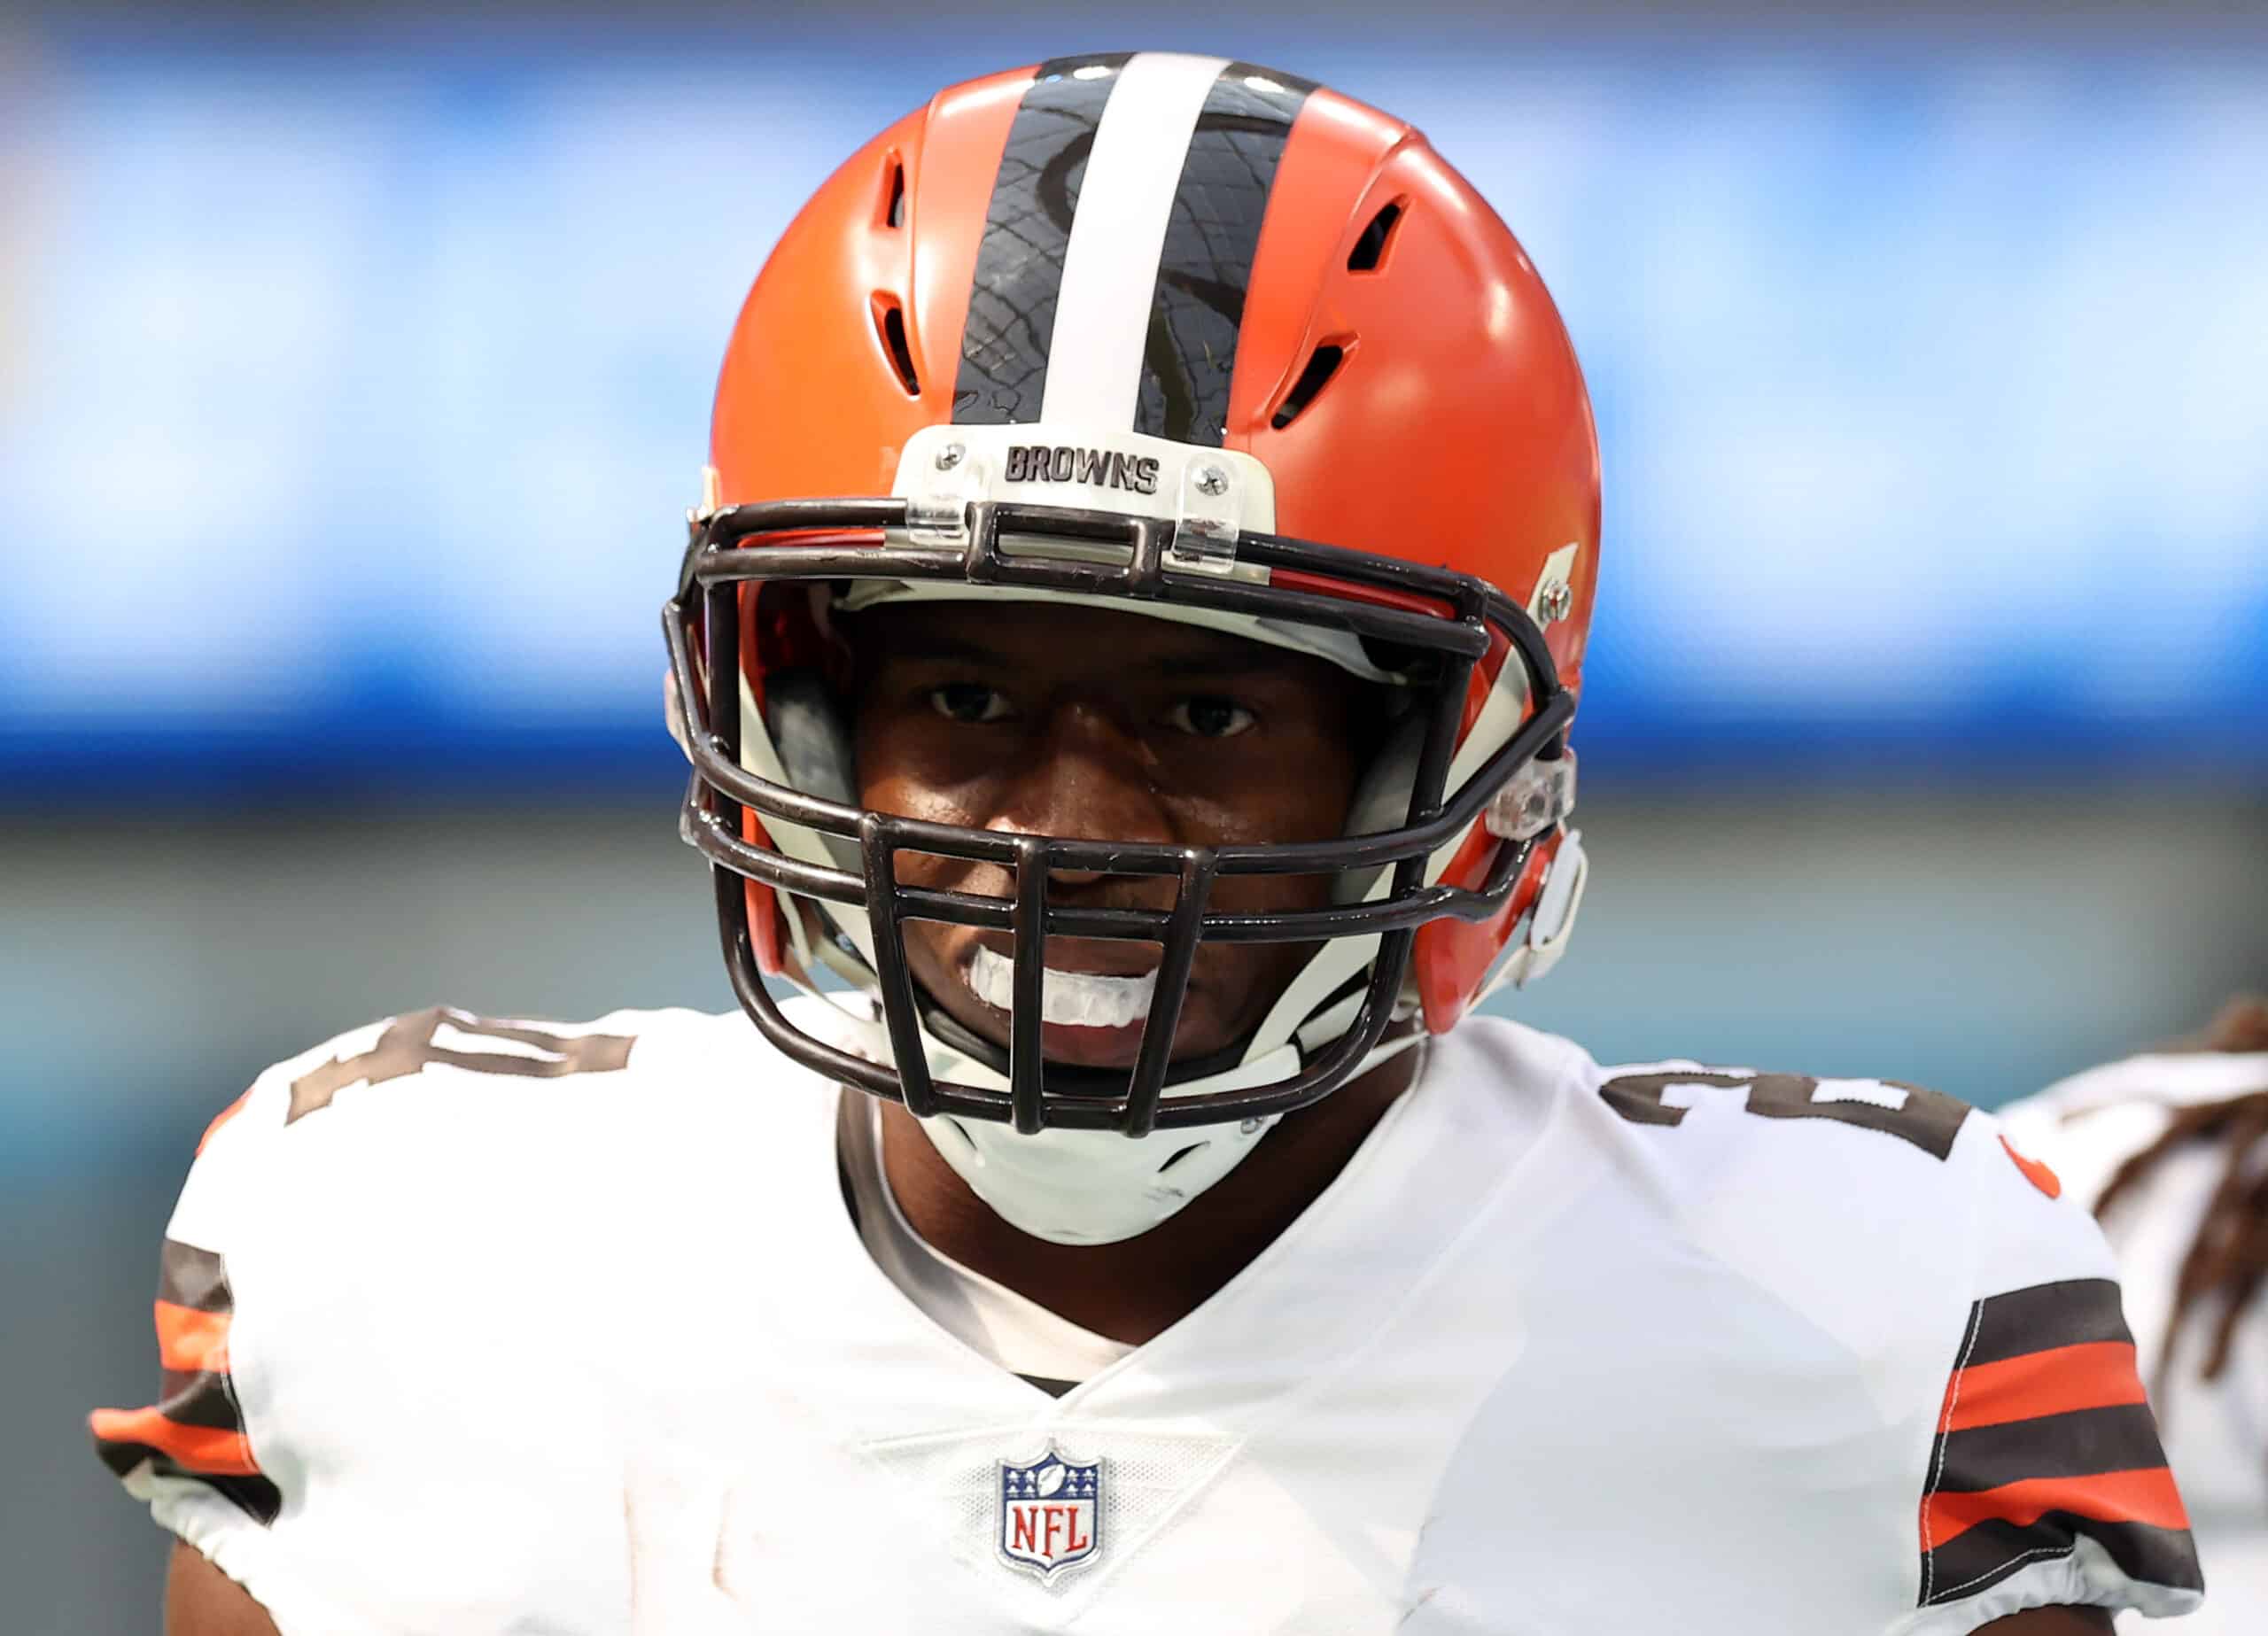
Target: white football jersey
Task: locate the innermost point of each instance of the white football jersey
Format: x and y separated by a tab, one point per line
2216	1432
475	1326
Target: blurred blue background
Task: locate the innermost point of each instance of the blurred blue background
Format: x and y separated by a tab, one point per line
1931	389
354	371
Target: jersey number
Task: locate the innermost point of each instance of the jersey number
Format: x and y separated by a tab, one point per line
1929	1119
410	1043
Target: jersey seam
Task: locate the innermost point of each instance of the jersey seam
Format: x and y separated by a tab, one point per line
1937	1468
255	1190
2006	1570
237	1407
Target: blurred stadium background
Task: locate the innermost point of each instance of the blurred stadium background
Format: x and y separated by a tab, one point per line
354	367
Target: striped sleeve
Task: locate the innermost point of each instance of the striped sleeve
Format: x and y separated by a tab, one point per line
192	1453
195	1429
2046	1450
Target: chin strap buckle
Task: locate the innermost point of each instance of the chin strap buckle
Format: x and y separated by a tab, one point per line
1550	919
1539	795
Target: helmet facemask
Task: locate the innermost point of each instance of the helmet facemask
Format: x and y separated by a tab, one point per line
1330	1022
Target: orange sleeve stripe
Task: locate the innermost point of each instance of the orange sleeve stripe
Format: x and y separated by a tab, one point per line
223	1118
191	1341
2147	1496
214	1451
2090	1375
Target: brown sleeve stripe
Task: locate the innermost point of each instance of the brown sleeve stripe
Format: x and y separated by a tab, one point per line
2047	1435
2082	1442
189	1276
1989	1553
2074	1312
200	1398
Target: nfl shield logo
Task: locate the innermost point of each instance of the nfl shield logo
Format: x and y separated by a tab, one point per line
1051	1512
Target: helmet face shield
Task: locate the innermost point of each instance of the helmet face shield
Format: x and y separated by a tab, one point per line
1447	623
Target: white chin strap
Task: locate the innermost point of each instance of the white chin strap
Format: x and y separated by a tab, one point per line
1090	1186
1094	1187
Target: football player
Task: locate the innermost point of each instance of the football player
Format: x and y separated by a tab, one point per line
2170	1147
1126	651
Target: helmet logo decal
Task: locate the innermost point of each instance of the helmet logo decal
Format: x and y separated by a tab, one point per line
1062	462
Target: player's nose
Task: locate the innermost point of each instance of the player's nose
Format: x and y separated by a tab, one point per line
1089	778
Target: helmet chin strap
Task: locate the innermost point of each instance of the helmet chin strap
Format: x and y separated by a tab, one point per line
1096	1187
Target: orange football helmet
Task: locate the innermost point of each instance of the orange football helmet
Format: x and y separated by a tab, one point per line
1195	339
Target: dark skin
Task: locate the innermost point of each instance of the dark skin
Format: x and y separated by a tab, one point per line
1078	723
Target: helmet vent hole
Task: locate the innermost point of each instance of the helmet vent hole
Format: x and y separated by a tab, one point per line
894	211
889	321
1370	248
1180	1154
1322	363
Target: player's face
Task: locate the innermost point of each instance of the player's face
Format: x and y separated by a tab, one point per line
1083	723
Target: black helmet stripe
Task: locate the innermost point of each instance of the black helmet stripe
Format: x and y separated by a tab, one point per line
1126	314
1004	344
1190	355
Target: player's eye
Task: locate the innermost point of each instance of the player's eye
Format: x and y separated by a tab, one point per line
969	701
1209	717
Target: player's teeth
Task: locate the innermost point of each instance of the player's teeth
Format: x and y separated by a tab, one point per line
1080	998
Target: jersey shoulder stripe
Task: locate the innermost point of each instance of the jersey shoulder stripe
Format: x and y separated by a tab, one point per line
2045	1437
